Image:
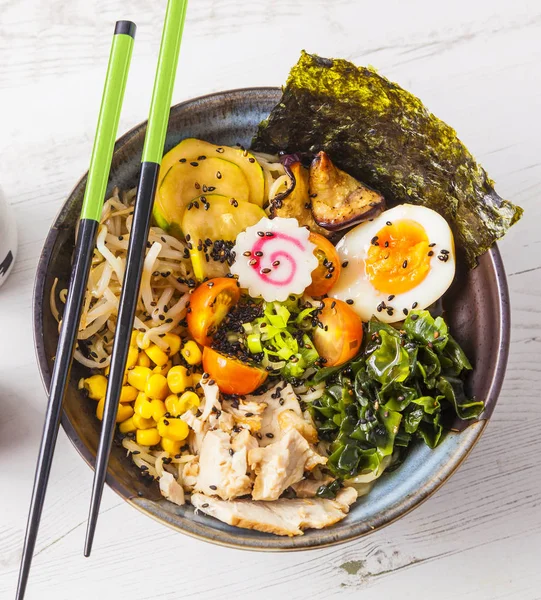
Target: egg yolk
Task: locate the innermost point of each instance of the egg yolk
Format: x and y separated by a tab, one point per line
397	260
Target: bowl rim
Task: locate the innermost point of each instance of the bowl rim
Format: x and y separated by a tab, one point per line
474	430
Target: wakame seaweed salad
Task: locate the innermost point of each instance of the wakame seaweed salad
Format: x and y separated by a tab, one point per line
384	136
406	384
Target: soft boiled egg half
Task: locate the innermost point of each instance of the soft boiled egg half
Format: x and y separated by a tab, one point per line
402	260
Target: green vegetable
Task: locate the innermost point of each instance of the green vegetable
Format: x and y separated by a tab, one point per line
397	390
364	122
278	339
330	490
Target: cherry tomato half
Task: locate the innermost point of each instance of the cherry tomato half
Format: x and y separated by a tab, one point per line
326	274
209	304
342	333
231	375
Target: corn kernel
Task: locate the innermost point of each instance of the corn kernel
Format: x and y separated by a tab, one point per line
124	411
196	377
133	337
164	369
96	386
142	406
188	400
178	379
142	341
148	437
156	387
128	393
138	377
156	355
172	447
174	429
191	353
158	409
128	426
142	423
172	405
133	355
173	340
143	360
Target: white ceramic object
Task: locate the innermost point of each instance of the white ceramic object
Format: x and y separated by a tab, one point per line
8	238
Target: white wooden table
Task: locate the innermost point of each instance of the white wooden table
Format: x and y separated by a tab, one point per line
477	66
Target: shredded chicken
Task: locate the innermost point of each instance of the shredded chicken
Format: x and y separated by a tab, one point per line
170	489
222	470
277	399
246	413
281	464
282	517
307	488
211	402
288	420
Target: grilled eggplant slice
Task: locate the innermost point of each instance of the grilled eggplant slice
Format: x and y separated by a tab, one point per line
295	203
338	199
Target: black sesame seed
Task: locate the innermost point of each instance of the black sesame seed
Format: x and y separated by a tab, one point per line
194	164
404	264
269	234
414	317
405	311
205	505
213	487
349	301
391	297
265	270
218	175
182	160
231	451
270	435
258	253
261	233
345	264
252	160
414	305
432	245
444	251
430	253
388	223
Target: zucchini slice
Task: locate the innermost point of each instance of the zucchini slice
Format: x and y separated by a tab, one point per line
188	179
193	149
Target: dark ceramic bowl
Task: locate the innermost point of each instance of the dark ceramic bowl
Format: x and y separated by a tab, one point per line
478	306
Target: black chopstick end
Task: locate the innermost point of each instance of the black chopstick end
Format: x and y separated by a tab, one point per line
125	27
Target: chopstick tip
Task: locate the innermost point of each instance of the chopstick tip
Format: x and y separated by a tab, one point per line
126	28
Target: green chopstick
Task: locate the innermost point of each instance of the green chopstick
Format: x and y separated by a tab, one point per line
109	116
98	174
146	190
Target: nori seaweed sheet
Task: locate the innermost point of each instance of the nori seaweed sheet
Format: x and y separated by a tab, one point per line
385	137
